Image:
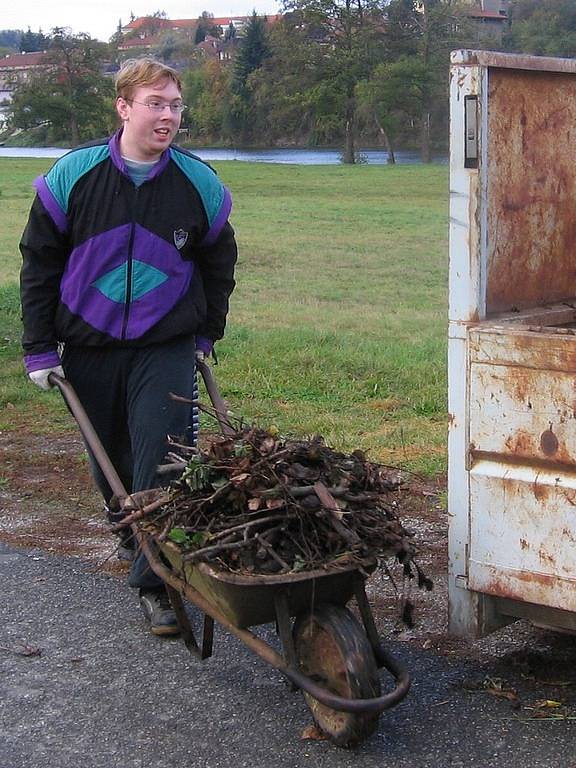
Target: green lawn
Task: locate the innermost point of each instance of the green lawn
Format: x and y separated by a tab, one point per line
338	322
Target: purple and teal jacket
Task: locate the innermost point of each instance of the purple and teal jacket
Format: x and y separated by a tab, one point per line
109	263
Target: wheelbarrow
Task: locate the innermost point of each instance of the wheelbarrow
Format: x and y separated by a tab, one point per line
326	652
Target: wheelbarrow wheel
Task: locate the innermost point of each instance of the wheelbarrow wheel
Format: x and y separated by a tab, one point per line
333	650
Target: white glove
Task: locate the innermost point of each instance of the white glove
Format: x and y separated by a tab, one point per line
40	378
200	356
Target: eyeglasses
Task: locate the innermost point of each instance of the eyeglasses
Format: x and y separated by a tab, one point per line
160	106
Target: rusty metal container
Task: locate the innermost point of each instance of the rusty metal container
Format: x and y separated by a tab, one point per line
512	342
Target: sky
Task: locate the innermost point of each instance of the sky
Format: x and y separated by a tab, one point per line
99	18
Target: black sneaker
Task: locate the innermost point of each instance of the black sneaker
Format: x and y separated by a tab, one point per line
158	610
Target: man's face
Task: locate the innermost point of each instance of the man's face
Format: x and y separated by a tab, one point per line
147	133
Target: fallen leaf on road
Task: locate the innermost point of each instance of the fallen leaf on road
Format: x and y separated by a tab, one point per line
313	732
495	686
23	650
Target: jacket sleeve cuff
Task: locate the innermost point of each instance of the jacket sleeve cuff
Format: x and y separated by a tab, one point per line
204	345
41	361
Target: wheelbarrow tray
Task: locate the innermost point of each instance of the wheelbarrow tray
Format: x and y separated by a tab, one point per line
249	599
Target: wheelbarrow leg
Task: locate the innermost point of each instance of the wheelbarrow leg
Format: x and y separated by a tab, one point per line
366	615
383	658
204	651
207	637
285	632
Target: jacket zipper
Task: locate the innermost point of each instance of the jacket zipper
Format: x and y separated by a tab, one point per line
129	268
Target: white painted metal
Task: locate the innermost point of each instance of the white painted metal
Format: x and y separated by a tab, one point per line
522	535
512	399
464	306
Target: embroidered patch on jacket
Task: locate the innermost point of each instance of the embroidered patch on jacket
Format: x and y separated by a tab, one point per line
180	238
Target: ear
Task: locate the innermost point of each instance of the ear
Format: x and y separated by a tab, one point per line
123	108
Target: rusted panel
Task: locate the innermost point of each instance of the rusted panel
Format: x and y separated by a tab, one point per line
531	189
523	525
512	61
522	347
547	317
522	414
530	587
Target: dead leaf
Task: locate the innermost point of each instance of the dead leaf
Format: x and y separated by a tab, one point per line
510	695
312	732
495	686
499	688
239	479
254	504
25	649
548	704
267	445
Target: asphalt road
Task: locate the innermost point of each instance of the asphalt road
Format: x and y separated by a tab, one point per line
101	692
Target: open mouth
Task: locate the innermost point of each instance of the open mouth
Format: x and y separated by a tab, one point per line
163	132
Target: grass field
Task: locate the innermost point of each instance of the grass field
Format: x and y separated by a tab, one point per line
338	322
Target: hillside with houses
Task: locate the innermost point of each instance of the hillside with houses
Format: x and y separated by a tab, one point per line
336	74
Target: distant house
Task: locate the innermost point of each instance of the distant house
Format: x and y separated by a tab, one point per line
145	32
215	48
17	68
14	69
490	17
145	25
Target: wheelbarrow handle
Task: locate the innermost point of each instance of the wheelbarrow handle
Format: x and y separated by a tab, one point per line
89	434
215	397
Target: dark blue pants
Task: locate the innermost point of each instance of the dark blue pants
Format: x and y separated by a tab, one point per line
126	394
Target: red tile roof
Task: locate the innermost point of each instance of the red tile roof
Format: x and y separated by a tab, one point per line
220	21
23	60
479	14
182	22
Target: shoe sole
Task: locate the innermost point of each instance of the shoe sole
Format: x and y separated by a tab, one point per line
165	631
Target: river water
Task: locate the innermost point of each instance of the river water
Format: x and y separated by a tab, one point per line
286	156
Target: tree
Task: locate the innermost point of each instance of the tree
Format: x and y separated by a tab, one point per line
205	27
206	90
10	39
349	35
33	41
281	89
394	95
427	30
252	53
546	27
70	97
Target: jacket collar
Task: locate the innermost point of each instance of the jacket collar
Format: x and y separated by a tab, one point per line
115	154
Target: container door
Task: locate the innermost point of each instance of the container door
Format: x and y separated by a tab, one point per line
523	465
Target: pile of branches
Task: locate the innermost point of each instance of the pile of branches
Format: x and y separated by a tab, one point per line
255	502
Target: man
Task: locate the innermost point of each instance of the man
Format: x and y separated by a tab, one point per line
128	266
